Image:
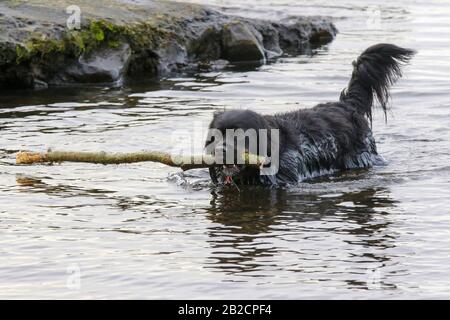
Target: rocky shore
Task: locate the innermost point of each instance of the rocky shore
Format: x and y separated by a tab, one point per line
119	40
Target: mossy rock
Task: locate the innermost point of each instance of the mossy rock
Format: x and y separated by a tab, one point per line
241	44
37	48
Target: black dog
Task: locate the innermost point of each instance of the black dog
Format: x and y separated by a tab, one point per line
324	139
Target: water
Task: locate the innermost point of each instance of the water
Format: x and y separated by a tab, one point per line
146	231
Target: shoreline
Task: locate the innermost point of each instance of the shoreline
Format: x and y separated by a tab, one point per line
120	41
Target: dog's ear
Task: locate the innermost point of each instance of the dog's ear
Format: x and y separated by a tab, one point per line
217	114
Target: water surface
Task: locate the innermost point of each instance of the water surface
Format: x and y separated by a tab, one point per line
146	231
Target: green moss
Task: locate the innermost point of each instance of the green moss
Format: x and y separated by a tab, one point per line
77	41
113	43
21	53
98	33
39	47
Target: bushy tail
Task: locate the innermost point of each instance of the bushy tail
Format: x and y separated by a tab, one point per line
374	71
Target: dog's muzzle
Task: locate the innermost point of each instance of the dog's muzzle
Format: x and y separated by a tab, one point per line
228	172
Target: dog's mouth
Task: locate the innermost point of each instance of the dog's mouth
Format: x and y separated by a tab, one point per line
232	172
228	172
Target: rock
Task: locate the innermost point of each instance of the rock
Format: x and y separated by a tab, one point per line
240	44
270	40
172	56
295	34
106	65
38	84
137	39
208	47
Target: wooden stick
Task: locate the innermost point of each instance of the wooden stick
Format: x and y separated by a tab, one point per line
183	162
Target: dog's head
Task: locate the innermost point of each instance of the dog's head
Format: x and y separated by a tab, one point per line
231	133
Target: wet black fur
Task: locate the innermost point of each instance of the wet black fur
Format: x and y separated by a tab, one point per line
331	136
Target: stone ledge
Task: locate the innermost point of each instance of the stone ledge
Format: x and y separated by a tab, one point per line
119	40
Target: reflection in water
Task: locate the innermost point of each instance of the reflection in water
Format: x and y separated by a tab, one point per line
35	185
251	228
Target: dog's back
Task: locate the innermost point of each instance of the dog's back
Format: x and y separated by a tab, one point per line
335	136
